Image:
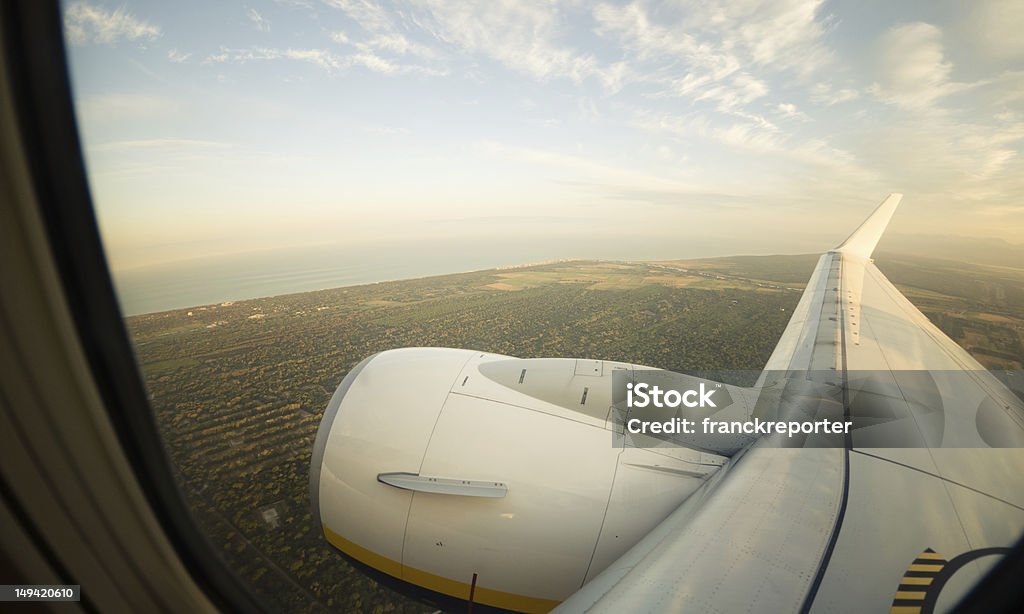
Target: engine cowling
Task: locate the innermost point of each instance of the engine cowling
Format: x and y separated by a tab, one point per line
434	465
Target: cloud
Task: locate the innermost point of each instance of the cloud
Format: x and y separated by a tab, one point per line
260	22
952	159
756	136
823	94
395	44
790	111
739	91
783	35
912	68
85	23
372	62
726	54
1006	90
317	57
369	15
177	56
954	149
696	50
320	58
522	36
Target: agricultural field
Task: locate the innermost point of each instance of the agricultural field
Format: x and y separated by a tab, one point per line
239	388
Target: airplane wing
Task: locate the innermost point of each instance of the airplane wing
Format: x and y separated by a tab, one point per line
926	494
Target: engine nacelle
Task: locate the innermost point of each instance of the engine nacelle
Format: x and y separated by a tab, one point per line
434	465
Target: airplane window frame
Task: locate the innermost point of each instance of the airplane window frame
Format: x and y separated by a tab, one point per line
33	34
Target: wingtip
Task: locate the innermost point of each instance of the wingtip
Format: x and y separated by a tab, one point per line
863	240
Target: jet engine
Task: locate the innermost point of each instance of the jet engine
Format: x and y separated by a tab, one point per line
468	473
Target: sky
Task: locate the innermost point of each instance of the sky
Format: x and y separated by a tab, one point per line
758	127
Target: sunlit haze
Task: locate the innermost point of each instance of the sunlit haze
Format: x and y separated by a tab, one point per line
594	129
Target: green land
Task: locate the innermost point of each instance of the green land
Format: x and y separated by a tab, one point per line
239	388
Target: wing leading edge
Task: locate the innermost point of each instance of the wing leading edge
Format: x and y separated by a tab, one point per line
842	529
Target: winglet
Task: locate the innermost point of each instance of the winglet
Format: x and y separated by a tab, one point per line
863	240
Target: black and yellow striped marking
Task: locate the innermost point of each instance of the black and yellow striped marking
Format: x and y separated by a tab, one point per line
917	581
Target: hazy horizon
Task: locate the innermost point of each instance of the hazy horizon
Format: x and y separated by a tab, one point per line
258	274
280	271
751	127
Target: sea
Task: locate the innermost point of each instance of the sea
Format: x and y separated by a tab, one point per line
204	281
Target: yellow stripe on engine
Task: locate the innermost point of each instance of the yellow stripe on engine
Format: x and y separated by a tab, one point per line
923	567
378	562
905	609
440	584
918	595
934	556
